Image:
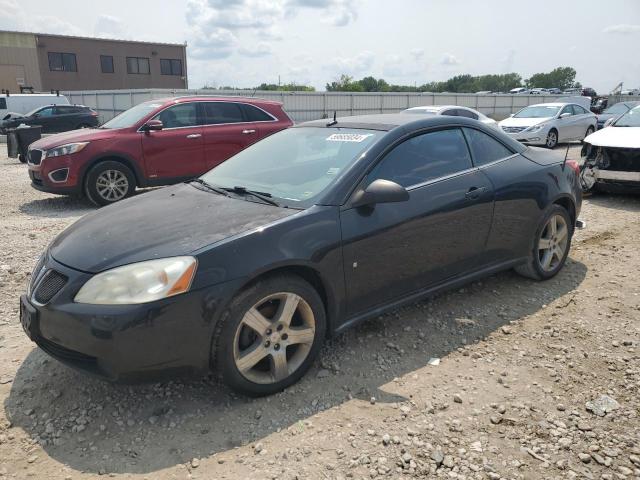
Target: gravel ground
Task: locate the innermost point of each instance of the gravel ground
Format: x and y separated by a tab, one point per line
534	380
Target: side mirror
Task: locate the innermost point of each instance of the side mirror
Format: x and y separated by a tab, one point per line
609	122
565	115
380	191
152	125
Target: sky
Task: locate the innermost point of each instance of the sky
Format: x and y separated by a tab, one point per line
246	42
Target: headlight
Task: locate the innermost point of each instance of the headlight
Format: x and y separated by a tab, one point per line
67	149
139	282
536	128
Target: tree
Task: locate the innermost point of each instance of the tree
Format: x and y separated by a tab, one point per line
344	83
561	77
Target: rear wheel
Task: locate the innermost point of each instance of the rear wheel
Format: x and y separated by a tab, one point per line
552	138
590	130
109	182
269	336
550	246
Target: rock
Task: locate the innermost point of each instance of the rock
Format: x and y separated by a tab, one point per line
457	398
386	439
584	457
561	407
506	330
323	373
602	405
372	401
438	457
448	461
625	470
195	463
258	448
495	419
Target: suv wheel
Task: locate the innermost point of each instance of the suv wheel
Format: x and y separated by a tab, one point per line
550	246
269	336
109	182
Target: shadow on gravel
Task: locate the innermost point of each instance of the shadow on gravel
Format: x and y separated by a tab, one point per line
93	426
57	207
629	203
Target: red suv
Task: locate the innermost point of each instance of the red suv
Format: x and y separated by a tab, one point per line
159	142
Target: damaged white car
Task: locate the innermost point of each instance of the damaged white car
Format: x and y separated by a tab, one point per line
611	156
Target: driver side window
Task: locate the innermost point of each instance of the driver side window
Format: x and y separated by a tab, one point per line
178	116
566	109
424	157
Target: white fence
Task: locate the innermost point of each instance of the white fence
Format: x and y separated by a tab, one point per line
303	106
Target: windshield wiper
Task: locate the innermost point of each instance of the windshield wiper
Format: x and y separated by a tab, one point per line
264	196
208	186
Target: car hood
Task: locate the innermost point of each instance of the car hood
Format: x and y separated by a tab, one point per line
13	116
621	137
167	222
82	135
522	122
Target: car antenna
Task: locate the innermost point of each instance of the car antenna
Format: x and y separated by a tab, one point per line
566	154
334	121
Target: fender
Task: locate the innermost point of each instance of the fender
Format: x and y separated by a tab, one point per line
126	159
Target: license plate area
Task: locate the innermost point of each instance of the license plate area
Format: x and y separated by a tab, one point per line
28	317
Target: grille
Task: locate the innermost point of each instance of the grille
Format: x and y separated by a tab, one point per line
35	156
35	274
62	353
513	129
50	284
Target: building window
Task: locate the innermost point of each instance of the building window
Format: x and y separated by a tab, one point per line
138	65
62	62
170	66
106	63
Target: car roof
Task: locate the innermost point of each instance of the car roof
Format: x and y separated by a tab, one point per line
215	98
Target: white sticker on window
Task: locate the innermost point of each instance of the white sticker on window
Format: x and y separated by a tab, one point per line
348	137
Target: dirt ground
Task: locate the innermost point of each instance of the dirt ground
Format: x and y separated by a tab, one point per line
519	364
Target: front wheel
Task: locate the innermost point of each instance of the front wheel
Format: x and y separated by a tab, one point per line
552	139
109	182
590	130
269	335
550	246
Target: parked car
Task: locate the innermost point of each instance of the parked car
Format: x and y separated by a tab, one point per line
555	91
599	104
633	91
22	103
248	268
588	92
519	90
611	156
455	111
538	91
159	142
548	124
614	111
54	118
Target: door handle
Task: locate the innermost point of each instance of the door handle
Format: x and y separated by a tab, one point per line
248	131
475	192
194	135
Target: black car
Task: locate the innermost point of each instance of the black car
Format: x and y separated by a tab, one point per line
615	111
247	269
54	118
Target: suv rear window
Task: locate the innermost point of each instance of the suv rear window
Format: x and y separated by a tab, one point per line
254	114
222	112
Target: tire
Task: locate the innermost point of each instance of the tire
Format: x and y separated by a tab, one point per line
589	131
536	267
552	139
109	182
22	158
257	373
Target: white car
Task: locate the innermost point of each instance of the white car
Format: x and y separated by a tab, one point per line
550	123
611	156
455	111
519	91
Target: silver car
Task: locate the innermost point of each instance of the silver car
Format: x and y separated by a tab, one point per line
548	124
455	111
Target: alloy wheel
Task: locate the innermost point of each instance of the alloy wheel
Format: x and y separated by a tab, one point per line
553	243
552	139
112	185
274	338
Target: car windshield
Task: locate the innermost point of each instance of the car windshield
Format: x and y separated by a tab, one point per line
32	112
130	117
629	119
295	165
538	111
617	109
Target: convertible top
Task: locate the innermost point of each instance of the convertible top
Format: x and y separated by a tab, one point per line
389	121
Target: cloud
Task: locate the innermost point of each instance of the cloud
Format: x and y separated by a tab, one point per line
14	18
262	49
212	44
337	12
509	61
449	59
110	26
356	65
622	29
417	54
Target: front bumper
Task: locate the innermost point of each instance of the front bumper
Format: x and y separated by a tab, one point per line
126	343
59	175
529	138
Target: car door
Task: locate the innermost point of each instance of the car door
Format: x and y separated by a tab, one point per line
45	118
395	249
226	131
583	120
176	152
568	127
64	118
